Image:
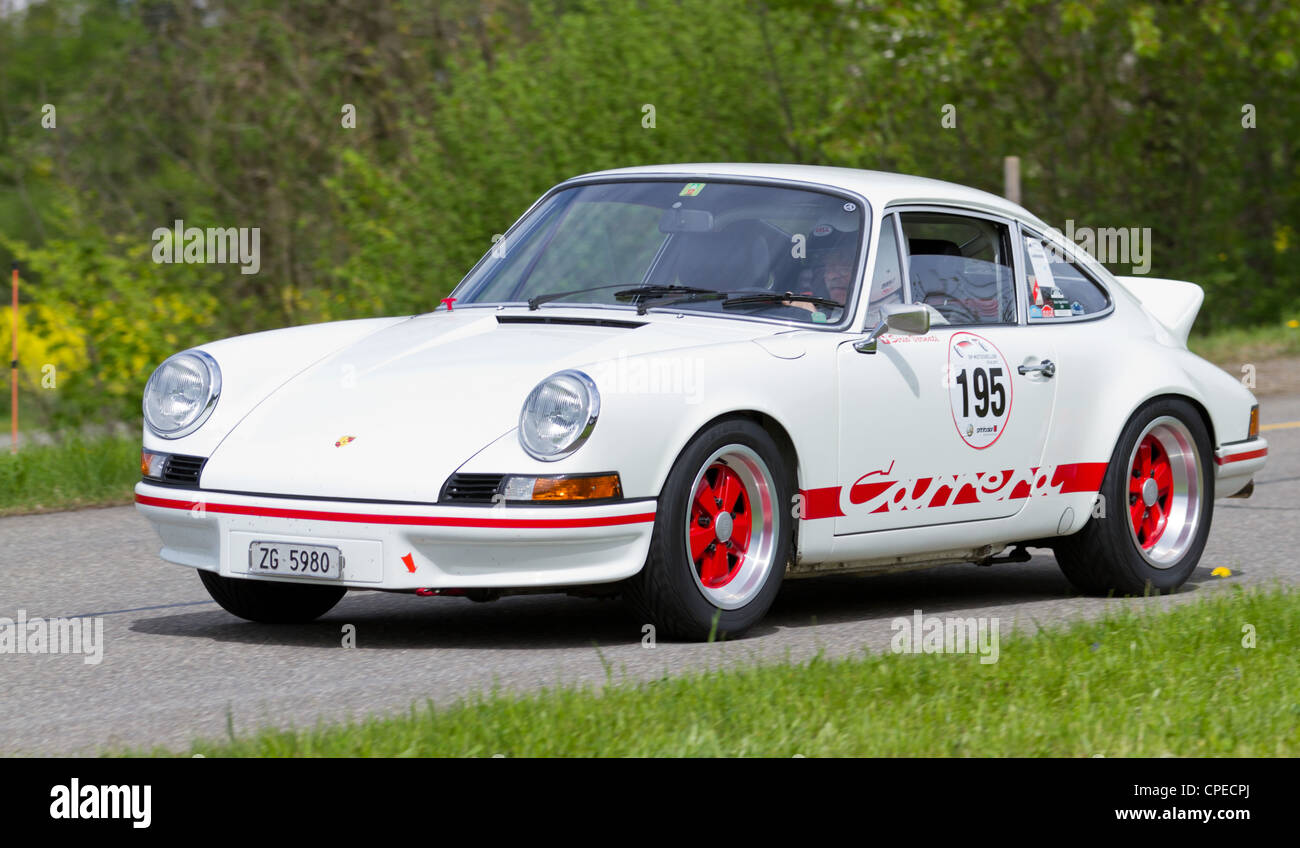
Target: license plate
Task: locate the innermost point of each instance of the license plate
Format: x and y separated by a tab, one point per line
289	559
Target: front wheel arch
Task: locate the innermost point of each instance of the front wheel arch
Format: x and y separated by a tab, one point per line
773	427
673	591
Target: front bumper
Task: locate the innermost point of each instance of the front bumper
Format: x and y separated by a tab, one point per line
407	546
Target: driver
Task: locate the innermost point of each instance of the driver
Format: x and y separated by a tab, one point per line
836	278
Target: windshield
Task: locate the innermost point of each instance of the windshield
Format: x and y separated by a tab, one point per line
736	246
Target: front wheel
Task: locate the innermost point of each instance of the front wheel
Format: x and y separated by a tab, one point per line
271	603
1158	497
721	538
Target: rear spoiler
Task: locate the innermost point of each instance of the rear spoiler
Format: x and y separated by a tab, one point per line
1173	303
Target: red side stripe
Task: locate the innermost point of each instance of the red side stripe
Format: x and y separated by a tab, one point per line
409	520
821	503
1079	477
1238	457
1071	478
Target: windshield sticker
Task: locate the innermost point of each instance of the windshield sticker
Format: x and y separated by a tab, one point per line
822	230
691	189
979	389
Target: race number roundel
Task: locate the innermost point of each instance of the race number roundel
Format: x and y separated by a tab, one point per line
979	389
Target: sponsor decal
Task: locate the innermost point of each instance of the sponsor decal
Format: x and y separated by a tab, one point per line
691	190
346	440
894	340
822	230
979	389
880	491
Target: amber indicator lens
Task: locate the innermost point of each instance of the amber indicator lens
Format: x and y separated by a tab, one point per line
577	488
151	464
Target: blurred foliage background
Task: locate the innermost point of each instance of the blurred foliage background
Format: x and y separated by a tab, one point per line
229	113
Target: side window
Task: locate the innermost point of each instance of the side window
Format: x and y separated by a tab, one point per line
960	267
1057	287
887	281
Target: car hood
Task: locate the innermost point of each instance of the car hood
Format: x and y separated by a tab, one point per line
391	416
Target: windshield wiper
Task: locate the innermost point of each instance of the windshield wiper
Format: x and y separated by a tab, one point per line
538	300
642	294
780	297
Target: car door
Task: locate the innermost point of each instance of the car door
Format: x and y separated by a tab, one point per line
943	427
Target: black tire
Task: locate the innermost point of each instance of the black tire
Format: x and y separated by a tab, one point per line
1107	555
271	603
669	591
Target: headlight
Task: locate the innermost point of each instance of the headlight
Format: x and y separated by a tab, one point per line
181	394
558	415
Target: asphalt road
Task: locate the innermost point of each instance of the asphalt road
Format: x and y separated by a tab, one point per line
176	667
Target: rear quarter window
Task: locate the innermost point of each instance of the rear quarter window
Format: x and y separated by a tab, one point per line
1056	286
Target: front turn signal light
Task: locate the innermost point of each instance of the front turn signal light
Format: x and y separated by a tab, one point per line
152	464
596	487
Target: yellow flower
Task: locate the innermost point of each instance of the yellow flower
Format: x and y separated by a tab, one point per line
1293	323
1221	571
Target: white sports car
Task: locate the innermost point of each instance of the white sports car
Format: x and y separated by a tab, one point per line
686	383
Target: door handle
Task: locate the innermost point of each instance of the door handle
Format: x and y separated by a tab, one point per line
1047	368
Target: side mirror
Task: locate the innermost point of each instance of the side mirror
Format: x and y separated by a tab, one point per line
912	319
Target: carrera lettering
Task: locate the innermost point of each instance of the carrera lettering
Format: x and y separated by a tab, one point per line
874	492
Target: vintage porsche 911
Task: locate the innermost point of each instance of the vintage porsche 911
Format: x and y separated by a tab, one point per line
685	383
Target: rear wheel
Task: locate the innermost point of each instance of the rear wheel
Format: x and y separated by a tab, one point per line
721	539
271	603
1158	500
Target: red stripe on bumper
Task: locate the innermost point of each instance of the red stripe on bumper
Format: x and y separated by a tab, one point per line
411	520
1238	457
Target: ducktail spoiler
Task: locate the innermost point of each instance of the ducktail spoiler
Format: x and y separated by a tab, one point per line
1173	303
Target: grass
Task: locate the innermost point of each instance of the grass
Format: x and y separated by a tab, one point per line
1134	683
76	472
1247	344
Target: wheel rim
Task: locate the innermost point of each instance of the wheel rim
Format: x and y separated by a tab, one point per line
1164	492
732	526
